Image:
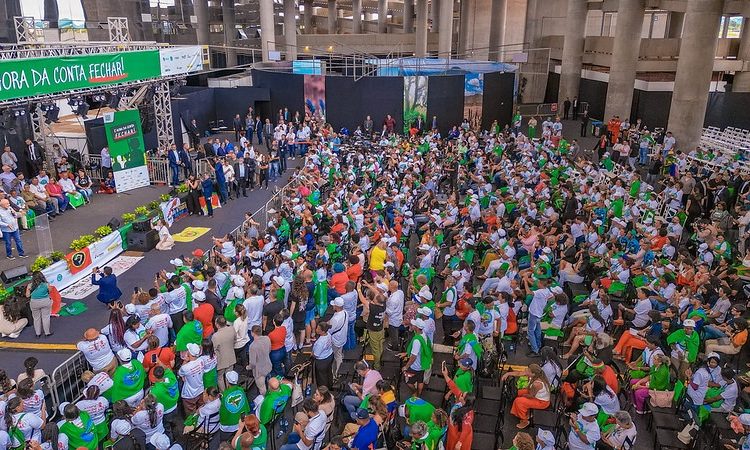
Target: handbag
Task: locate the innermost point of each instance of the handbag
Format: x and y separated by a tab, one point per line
661	399
297	396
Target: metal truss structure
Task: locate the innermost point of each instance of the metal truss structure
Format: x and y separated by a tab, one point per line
25	30
42	50
163	116
118	29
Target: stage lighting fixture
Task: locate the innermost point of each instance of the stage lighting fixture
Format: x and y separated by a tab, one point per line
47	106
82	110
99	98
75	101
52	113
114	99
19	111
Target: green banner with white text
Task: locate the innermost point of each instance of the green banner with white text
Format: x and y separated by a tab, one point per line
40	76
125	140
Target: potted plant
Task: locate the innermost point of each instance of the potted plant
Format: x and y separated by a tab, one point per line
165	197
141	212
128	218
82	242
153	206
41	263
182	192
56	256
103	231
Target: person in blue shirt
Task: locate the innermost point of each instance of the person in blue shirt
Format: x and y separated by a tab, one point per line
108	290
220	180
367	433
207	185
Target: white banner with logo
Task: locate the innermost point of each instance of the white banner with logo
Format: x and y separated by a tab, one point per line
180	60
173	210
101	252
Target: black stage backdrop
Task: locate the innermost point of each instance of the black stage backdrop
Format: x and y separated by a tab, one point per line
349	102
651	107
232	101
286	91
445	99
497	100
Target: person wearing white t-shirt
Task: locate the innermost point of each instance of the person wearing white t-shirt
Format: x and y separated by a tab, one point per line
254	306
311	437
192	378
339	332
539	300
208	414
584	429
95	348
149	417
159	324
394	313
30	425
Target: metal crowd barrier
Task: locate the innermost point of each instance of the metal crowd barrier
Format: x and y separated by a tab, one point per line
66	384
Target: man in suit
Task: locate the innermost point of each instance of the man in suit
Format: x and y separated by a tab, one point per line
223	340
368	126
238	126
108	290
259	130
195	133
174	164
566	108
251	167
268	133
187	164
241	174
34	157
575	108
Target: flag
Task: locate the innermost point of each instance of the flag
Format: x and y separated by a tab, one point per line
617	207
635	188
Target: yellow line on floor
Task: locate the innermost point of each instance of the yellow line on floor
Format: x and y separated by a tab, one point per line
33	346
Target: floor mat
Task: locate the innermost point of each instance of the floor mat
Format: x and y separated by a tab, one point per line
190	234
83	288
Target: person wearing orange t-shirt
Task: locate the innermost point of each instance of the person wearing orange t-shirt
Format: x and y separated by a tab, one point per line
354	271
278	350
157	356
339	279
204	313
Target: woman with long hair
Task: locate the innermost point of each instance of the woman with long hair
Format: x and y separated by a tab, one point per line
7	385
297	302
148	417
115	330
96	406
120	425
33	399
41	303
604	397
208	357
535	396
241	337
551	366
460	423
22	427
194	195
166	241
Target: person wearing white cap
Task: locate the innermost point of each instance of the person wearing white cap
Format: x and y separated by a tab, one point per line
584	430
161	441
191	373
705	255
545	440
418	357
128	379
425	314
339	332
684	343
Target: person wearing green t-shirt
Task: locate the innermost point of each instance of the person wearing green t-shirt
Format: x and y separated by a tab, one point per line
167	392
250	434
128	379
463	381
79	428
418	356
275	400
684	343
418	410
191	332
234	404
422	438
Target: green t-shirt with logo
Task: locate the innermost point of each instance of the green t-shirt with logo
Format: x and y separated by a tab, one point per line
419	409
167	392
83	436
233	405
127	381
191	332
274	401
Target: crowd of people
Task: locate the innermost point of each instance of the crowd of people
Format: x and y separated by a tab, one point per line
456	248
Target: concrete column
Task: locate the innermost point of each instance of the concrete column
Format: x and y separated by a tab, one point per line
230	32
382	16
445	38
420	50
408	16
435	15
290	29
308	17
694	69
497	28
572	54
200	7
356	16
625	51
676	19
267	28
332	16
742	79
463	27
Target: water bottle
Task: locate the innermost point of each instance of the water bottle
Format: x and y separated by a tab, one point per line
283	427
308	390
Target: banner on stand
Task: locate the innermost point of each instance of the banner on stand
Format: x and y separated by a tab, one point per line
78	264
125	141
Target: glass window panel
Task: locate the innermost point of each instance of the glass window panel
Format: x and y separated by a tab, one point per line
594	23
659	28
721	27
646	27
734	27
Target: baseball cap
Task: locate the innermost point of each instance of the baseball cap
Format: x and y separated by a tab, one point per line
688	323
193	349
124	354
745	419
588	409
362	414
160	441
199	296
199	284
338	301
467	362
232	377
419	323
176	262
546	436
425	311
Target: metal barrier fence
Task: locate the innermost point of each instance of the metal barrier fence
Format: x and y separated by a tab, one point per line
547	109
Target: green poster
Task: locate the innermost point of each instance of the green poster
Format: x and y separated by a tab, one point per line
415	101
38	76
125	140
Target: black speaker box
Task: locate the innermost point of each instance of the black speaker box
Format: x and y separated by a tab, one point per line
13	274
114	223
142	226
142	241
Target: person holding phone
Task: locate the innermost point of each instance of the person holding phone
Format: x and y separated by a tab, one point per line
107	282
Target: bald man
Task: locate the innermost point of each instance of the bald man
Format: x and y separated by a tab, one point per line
95	347
275	399
394	314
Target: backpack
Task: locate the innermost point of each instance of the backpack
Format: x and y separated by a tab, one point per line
16	435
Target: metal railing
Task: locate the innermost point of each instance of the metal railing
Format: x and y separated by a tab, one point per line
65	383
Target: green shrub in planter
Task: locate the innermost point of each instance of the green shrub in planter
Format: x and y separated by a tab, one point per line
41	263
182	188
103	231
57	256
141	211
153	206
128	218
165	197
82	242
